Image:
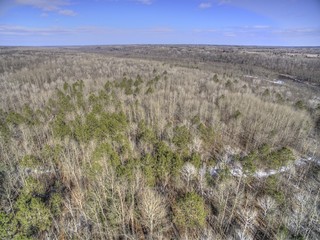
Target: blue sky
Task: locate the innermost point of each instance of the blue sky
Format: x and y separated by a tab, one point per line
227	22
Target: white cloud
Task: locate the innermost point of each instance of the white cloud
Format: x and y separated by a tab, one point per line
258	30
146	2
49	6
67	12
161	30
44	4
221	2
44	14
205	5
199	30
229	34
25	31
261	27
298	32
14	30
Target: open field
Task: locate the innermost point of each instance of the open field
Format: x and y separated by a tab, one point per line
159	142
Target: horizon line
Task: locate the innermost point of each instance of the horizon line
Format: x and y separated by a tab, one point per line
163	44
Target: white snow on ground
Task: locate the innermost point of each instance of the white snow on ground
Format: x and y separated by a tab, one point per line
278	82
214	171
249	76
202	171
298	162
238	172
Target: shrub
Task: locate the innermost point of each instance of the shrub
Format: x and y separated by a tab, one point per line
77	87
149	90
229	85
145	134
148	168
266	93
299	104
105	150
64	103
32	216
195	159
166	161
272	189
236	115
279	98
267	157
280	157
215	78
30	116
108	86
209	137
55	204
80	130
14	118
196	120
6	229
60	128
4	131
182	137
189	211
30	161
66	87
248	162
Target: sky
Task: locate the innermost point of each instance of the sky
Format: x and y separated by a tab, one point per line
106	22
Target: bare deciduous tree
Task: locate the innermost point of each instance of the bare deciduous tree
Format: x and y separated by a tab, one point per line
152	211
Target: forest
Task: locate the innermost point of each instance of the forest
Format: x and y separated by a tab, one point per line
159	142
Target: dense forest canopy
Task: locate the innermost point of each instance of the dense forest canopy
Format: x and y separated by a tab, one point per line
159	142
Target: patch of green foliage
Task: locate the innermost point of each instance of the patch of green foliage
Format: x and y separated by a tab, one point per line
64	103
128	85
52	153
150	90
229	85
6	230
99	125
14	118
299	105
103	152
189	211
195	159
60	127
31	215
5	133
266	93
248	162
279	98
166	161
182	137
55	204
267	157
148	165
30	161
145	133
30	116
215	78
106	150
273	189
209	137
108	86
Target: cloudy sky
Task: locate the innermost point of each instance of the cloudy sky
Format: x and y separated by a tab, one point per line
227	22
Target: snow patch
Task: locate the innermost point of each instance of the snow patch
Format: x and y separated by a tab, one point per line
237	171
278	82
